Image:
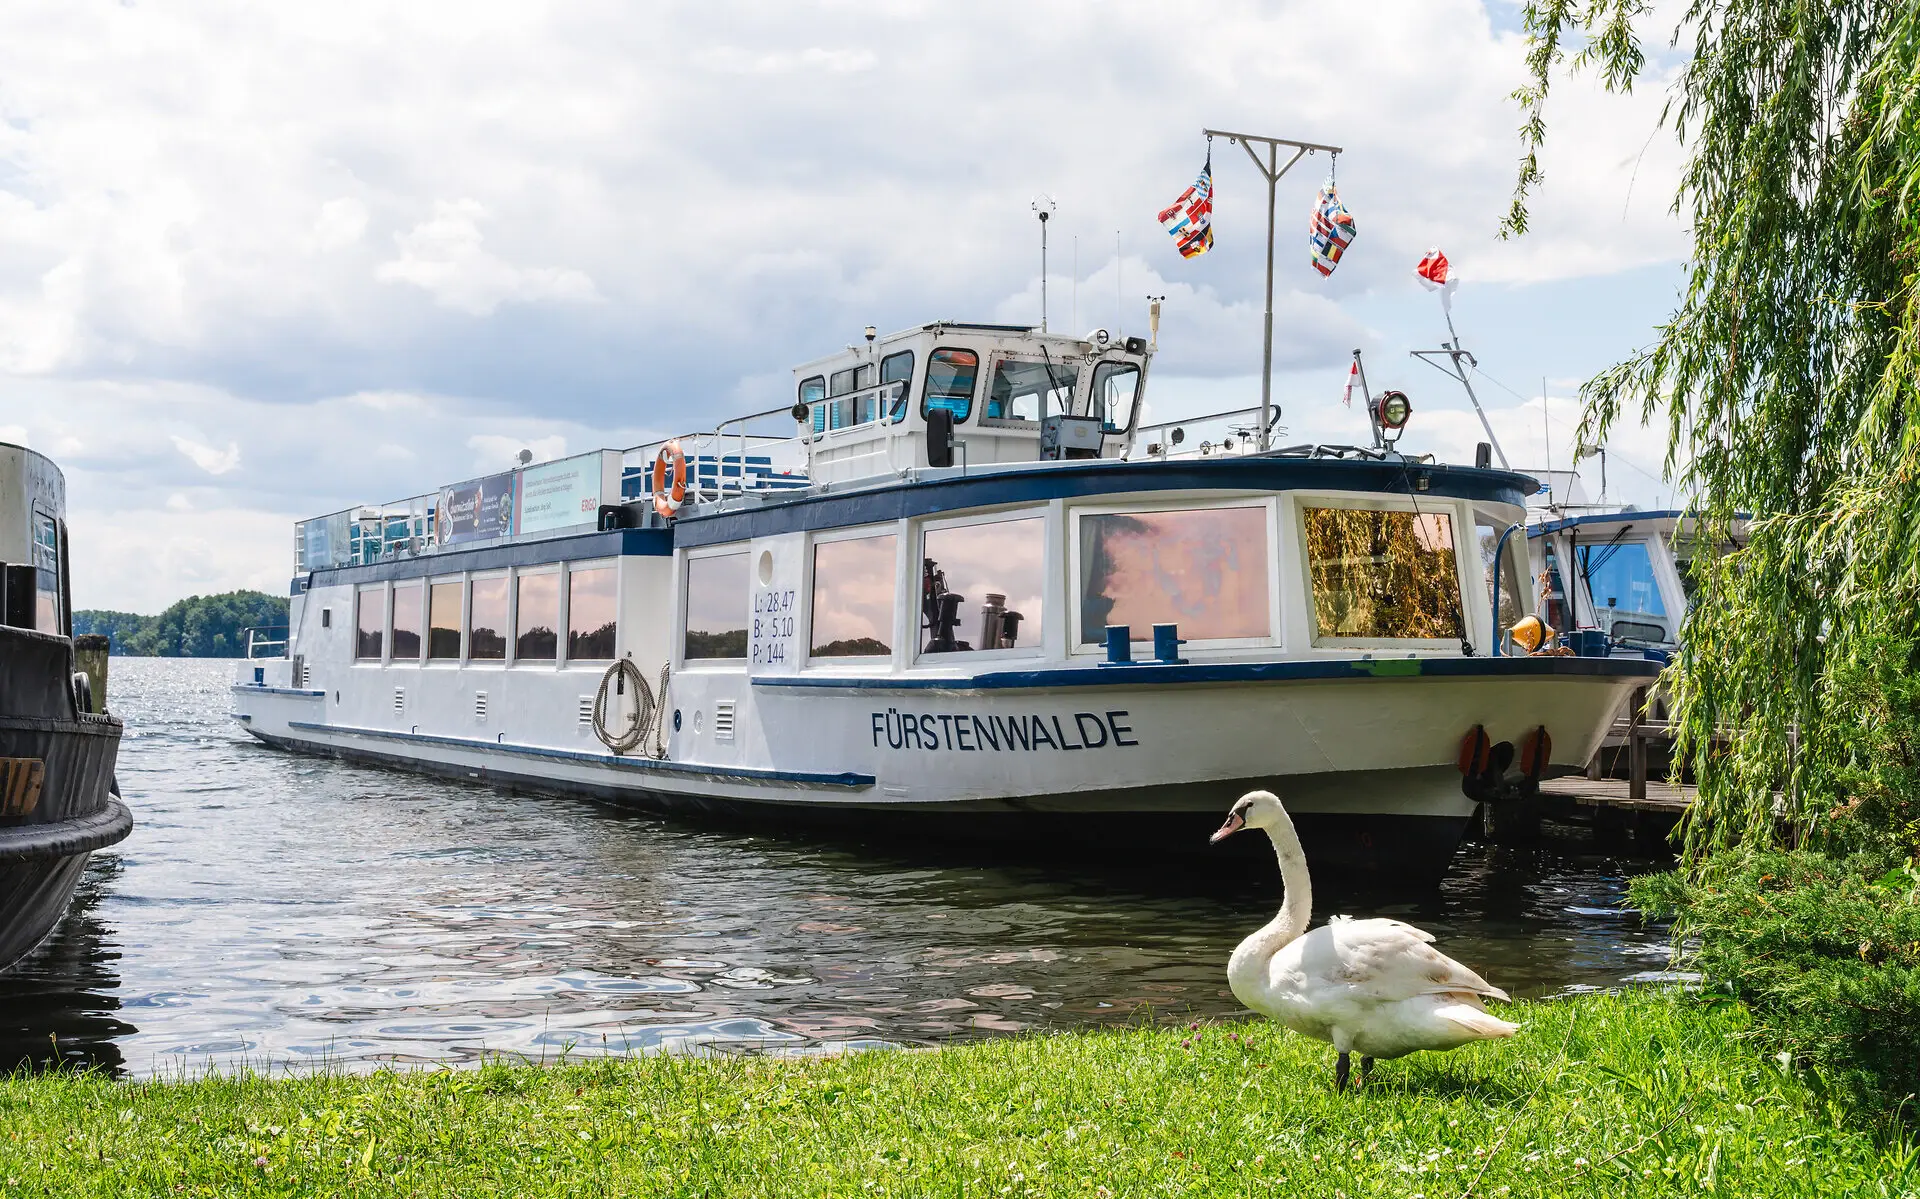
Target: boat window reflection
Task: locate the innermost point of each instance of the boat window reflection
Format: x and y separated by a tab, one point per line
716	607
46	573
1512	595
812	392
406	621
1620	580
443	620
590	614
898	368
536	616
853	591
1115	387
1554	594
1204	569
1383	574
951	375
487	619
1031	390
980	586
370	621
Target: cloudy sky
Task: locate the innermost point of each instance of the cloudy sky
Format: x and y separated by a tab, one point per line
259	262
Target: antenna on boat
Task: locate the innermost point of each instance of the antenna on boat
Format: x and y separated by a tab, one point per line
1270	170
1153	321
1454	352
1043	208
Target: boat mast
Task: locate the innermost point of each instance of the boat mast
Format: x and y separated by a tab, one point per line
1453	352
1270	170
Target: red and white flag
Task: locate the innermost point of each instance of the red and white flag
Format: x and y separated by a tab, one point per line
1353	376
1436	274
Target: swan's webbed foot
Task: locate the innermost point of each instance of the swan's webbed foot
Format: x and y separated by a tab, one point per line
1342	1070
1366	1071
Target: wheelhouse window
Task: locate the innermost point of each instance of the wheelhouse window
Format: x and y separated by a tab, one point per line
1383	575
370	621
812	393
591	614
407	599
443	620
716	608
487	619
1204	569
1625	591
951	378
898	368
1029	391
1512	588
981	585
853	591
1116	385
536	615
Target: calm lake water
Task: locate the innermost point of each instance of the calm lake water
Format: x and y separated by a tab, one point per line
277	910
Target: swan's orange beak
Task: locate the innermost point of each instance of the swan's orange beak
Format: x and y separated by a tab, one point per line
1235	822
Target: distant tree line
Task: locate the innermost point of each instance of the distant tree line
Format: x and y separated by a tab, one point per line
200	626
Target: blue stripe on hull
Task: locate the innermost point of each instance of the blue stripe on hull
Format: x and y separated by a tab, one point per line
847	779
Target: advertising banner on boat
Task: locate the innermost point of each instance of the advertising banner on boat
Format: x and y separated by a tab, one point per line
559	495
477	510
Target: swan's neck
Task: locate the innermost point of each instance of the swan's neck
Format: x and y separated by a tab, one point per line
1296	907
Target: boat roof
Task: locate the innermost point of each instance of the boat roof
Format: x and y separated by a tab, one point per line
1664	520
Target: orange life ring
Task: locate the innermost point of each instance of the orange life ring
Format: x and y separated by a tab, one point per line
669	480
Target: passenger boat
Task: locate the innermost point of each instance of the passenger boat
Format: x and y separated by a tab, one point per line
955	590
58	801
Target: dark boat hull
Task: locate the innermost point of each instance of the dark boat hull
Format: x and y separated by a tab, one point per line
57	795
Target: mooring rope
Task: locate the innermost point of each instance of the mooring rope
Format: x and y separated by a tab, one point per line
646	716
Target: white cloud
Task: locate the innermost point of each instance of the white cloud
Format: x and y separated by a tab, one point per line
340	224
443	256
207	458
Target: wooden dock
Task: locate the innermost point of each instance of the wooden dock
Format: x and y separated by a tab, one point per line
1581	791
1635	813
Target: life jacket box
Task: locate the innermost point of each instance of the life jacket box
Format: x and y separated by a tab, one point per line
1070	437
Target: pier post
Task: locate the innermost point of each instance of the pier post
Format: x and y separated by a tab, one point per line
90	658
1637	746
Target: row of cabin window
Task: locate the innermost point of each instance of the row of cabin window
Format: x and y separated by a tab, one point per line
405	610
1373	575
1020	391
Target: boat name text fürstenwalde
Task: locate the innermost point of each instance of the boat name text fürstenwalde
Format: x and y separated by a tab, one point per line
950	731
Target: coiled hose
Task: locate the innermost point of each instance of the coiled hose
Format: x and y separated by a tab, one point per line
646	716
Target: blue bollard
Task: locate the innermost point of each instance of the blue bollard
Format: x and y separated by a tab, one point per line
1167	643
1119	645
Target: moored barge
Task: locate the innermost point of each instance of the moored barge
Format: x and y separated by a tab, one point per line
58	800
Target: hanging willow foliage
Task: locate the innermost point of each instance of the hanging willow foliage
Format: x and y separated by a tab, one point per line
1787	379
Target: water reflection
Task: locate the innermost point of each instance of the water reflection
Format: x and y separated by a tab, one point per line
271	909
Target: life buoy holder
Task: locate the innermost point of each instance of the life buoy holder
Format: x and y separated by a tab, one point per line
669	480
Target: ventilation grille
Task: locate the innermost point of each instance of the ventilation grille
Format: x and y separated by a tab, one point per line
399	699
723	720
480	707
586	710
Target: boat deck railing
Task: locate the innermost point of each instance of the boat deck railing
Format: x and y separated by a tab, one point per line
762	455
266	641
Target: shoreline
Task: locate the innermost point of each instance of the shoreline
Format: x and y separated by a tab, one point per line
1638	1092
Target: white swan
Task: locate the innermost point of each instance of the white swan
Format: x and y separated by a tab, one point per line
1372	987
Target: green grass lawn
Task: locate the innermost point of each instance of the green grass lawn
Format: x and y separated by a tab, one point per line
1642	1094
